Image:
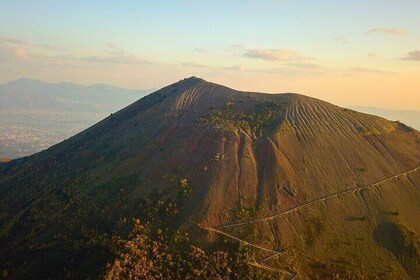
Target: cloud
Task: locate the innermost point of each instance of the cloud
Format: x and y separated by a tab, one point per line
14	41
387	31
14	48
198	50
286	70
237	68
111	46
6	53
304	65
195	65
237	46
289	69
372	71
372	54
273	54
340	40
114	49
21	53
52	47
13	53
413	55
116	55
115	59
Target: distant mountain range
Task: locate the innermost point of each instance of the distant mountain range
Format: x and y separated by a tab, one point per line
27	94
35	115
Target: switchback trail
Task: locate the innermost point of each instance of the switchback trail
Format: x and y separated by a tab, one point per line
269	257
292	275
244	241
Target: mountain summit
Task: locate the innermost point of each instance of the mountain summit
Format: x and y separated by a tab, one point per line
311	188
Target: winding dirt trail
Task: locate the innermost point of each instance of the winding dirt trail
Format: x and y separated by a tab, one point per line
269	257
317	200
292	275
243	241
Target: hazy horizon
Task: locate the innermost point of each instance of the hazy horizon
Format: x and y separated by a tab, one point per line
350	106
248	45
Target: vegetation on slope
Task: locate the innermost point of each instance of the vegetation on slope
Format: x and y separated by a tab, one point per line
140	257
256	120
67	229
198	152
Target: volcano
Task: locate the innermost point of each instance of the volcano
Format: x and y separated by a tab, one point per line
309	188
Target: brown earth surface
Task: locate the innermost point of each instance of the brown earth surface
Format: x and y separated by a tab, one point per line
323	190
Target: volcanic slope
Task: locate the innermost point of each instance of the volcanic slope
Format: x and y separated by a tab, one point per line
237	157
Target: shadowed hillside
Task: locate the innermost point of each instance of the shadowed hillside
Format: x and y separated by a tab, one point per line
305	186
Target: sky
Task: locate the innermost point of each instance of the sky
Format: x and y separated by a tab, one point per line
351	53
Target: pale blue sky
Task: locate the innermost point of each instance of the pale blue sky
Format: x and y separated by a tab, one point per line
348	52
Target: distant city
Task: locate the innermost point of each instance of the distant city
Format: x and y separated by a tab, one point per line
34	115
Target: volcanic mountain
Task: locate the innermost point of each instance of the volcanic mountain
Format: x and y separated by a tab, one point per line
311	189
